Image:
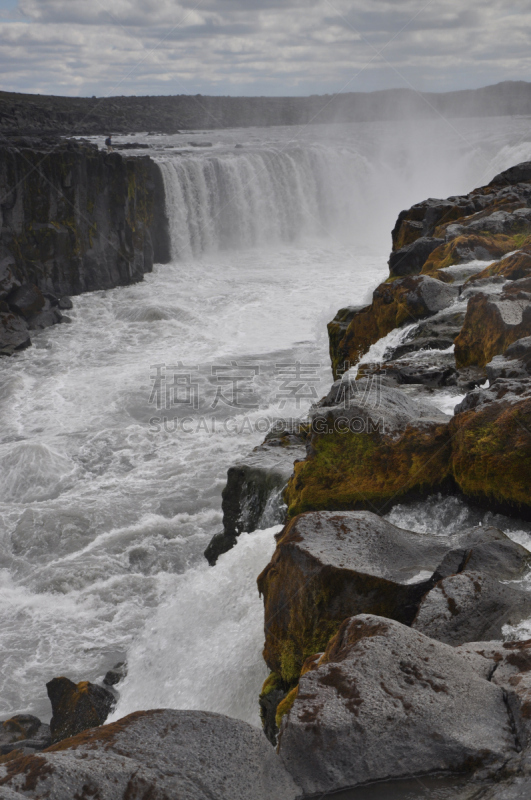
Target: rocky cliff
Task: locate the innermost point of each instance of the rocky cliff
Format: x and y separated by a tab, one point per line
73	219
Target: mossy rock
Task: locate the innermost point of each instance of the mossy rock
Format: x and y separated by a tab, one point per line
403	301
370	470
513	267
491	454
468	247
492	324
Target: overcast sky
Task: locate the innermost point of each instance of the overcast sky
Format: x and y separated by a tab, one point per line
260	47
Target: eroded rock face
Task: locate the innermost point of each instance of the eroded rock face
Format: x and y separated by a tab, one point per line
77	707
386	701
470	607
74	219
190	755
333	565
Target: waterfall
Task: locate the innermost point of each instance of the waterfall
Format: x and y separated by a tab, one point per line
258	198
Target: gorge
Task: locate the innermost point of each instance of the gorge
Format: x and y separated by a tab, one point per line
113	477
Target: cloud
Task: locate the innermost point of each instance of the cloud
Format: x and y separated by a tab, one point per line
279	47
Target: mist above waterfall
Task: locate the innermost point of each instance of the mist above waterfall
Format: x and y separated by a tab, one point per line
256	188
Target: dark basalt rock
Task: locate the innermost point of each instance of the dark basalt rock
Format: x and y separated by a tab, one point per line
252	497
77	707
116	674
385	702
27	301
487	550
14	333
493	322
74	219
400	302
8	282
409	260
470	607
433	371
437	333
160	755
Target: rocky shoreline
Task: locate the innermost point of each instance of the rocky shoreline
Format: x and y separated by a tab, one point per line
388	653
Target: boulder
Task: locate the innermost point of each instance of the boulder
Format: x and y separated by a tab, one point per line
492	323
77	707
116	674
487	550
508	665
162	754
27	301
490	449
385	702
470	607
14	333
24	732
331	565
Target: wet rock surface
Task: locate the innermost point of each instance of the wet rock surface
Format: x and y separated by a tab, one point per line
470	607
192	755
333	565
252	497
386	701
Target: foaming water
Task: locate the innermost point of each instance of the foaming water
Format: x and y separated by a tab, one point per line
204	643
110	494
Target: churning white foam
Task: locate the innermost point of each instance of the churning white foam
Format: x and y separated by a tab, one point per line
202	649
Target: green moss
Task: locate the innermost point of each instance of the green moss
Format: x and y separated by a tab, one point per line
271	684
286	705
491	453
367	470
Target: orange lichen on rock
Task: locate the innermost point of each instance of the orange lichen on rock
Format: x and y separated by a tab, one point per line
76	707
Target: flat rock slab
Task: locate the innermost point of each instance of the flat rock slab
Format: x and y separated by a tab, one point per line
387	702
470	607
163	755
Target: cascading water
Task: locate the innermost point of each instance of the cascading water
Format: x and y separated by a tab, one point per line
104	514
258	198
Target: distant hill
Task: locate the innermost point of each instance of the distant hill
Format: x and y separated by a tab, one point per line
37	114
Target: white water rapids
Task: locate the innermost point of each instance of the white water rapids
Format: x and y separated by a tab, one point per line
105	514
